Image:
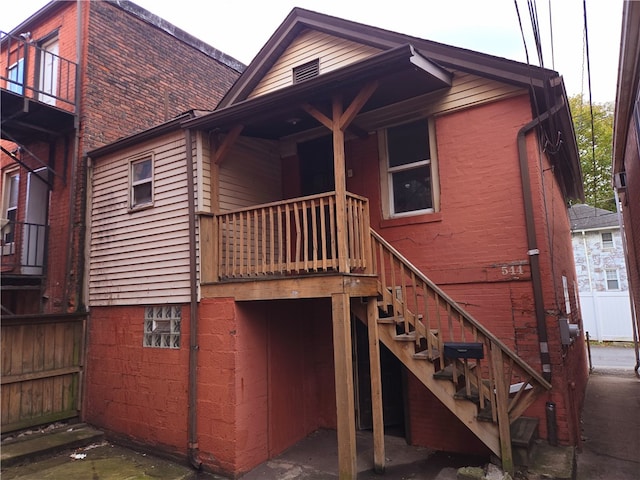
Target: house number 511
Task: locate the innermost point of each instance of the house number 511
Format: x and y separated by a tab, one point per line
512	270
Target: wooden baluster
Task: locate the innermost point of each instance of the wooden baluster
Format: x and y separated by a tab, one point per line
323	235
278	261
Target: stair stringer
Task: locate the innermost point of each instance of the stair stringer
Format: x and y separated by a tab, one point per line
465	410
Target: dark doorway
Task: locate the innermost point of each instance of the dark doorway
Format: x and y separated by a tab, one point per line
316	165
392	384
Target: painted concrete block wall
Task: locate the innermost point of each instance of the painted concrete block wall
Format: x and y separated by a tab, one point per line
139	393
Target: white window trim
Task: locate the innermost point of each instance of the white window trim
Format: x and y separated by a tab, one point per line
9	248
613	241
386	172
139	158
606	279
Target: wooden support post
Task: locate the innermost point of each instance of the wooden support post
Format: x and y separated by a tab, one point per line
340	187
208	248
502	398
345	404
376	386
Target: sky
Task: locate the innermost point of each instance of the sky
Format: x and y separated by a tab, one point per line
239	28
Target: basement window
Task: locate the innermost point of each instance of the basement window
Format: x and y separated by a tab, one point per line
306	71
162	326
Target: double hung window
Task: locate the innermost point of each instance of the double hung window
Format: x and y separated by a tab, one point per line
142	182
409	169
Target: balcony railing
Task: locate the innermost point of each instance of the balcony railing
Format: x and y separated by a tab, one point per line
34	72
23	247
290	237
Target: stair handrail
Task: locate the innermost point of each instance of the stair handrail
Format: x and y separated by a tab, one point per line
454	305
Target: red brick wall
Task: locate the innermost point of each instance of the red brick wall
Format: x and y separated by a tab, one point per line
481	226
138	76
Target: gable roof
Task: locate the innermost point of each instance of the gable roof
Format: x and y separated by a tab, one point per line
586	217
299	19
263	112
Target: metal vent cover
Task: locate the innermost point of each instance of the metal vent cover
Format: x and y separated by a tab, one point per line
306	71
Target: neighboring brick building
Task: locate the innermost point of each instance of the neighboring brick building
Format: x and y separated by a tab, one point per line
75	76
626	152
315	250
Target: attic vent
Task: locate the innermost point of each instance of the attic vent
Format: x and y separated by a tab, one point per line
306	71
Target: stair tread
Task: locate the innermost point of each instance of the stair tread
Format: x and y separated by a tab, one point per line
447	372
405	337
524	431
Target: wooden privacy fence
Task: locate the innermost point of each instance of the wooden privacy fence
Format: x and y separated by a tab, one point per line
41	369
503	383
284	238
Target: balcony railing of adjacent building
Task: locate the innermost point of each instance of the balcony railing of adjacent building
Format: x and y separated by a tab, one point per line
289	237
33	71
23	247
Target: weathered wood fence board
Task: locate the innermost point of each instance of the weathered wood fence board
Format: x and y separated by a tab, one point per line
41	369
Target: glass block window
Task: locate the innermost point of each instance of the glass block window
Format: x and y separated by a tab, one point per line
162	326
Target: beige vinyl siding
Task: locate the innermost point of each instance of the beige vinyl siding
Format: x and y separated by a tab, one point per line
140	257
467	90
332	52
251	174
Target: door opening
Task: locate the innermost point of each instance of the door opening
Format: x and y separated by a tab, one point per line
392	385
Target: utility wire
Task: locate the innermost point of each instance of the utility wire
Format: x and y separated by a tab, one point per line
593	139
553	57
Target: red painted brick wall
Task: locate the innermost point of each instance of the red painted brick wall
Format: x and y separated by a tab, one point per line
265	380
481	226
137	392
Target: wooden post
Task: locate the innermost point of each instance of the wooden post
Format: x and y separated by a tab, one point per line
502	398
208	249
376	386
340	186
345	404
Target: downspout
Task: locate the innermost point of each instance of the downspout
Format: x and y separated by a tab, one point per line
74	169
193	310
589	276
532	244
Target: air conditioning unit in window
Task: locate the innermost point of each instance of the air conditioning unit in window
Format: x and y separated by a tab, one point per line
620	180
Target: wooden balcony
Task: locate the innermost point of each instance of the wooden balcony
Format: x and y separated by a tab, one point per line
296	244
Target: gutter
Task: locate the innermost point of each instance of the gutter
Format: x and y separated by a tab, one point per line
192	445
532	244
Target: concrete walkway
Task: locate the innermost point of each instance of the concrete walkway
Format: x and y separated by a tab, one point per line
611	426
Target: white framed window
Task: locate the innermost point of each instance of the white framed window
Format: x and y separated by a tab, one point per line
10	210
408	169
162	326
612	277
15	77
141	182
607	240
565	291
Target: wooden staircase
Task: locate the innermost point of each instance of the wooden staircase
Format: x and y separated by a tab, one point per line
434	338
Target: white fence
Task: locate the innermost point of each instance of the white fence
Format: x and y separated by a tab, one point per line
607	315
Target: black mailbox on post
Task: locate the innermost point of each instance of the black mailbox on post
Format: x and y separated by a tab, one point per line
463	350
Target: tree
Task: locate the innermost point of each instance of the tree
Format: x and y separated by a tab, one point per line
595	150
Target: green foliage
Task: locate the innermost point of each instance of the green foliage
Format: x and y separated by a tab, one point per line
595	150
